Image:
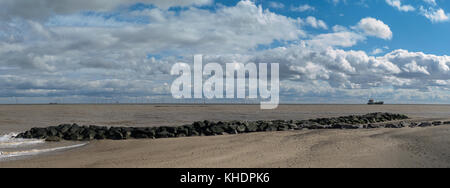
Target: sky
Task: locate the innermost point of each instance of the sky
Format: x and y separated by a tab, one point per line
330	51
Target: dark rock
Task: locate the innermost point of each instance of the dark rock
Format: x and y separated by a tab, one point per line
241	128
53	139
447	123
231	129
313	126
209	128
101	135
52	131
393	126
63	128
425	124
126	132
345	126
404	124
437	123
199	125
73	137
115	133
207	132
194	133
413	125
172	130
283	128
373	126
140	133
271	127
89	134
164	134
38	133
252	127
217	129
182	132
20	135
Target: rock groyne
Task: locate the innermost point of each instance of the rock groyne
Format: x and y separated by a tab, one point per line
74	132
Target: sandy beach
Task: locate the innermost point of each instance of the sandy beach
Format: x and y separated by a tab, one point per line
406	147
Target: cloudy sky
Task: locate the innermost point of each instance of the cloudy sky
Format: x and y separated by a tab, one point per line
330	51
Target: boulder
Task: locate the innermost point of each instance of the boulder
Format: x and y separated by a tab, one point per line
38	133
231	129
413	125
393	125
182	131
283	127
345	126
140	133
217	129
53	139
313	126
373	126
26	135
52	131
447	123
63	128
194	133
404	124
101	134
252	127
271	127
199	125
74	128
437	123
73	137
126	132
163	132
425	124
207	132
115	133
241	128
172	130
89	134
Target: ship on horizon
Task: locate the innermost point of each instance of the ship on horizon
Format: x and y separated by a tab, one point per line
373	102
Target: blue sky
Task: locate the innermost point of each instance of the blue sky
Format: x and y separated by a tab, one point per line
412	30
330	51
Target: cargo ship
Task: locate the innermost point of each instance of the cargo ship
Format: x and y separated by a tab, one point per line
373	102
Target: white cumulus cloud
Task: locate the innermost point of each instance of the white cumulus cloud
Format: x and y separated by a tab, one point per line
401	7
435	15
376	28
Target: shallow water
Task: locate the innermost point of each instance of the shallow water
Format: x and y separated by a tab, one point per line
12	148
17	118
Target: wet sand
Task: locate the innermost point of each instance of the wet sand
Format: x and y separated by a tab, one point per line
419	147
407	147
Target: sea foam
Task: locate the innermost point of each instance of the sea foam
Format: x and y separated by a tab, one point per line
9	142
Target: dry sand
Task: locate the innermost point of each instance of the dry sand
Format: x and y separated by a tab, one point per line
418	147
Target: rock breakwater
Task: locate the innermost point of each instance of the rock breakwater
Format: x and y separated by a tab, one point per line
74	132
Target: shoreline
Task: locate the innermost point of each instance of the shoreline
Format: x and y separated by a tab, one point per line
290	149
405	147
124	147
